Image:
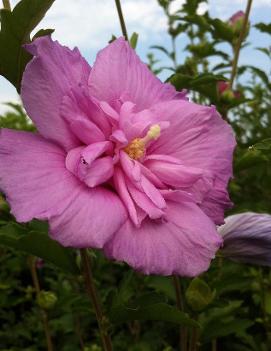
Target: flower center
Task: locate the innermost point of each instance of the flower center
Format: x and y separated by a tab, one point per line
137	147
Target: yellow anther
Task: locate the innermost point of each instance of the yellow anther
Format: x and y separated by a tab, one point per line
136	148
154	132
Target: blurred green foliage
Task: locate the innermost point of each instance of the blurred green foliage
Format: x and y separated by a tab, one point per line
228	308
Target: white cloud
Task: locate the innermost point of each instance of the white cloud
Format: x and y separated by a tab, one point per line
176	5
89	24
224	9
7	93
203	7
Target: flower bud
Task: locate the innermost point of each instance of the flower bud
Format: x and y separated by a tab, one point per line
236	22
39	263
46	299
236	17
226	94
93	347
222	86
247	238
199	295
28	292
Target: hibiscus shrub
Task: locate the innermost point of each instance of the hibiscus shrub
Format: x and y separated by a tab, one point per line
111	159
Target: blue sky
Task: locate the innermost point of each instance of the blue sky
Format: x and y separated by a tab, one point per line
89	25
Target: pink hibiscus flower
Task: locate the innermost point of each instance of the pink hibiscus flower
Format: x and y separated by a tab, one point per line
120	162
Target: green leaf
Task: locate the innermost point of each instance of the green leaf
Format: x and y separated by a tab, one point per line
124	291
113	38
161	48
222	328
133	40
223	321
232	277
221	30
15	118
223	312
38	244
16	27
204	83
164	3
162	284
251	158
263	27
42	33
191	6
260	73
201	21
266	51
155	312
206	78
267	302
263	145
147	299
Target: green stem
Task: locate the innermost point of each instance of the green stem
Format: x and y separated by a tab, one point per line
121	19
239	43
263	304
76	317
45	321
92	293
77	325
194	339
6	5
214	345
173	41
180	305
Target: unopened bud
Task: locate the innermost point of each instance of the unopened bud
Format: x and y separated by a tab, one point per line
92	348
239	15
28	292
46	299
228	96
236	23
39	263
222	86
199	295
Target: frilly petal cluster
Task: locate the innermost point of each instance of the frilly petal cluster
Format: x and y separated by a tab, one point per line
120	162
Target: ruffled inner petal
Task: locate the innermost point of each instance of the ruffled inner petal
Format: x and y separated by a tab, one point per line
172	173
88	165
100	171
86	131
